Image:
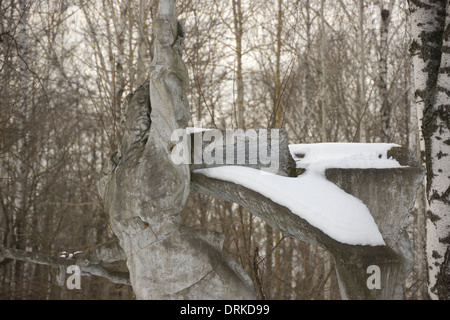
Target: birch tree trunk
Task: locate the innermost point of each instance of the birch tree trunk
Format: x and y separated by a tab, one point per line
145	191
430	23
278	104
142	48
414	145
306	69
383	71
323	131
238	32
437	135
362	74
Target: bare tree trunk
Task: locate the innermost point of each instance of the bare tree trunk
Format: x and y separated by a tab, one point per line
142	42
120	28
323	131
278	104
238	32
383	71
20	212
128	19
430	20
389	211
306	69
420	219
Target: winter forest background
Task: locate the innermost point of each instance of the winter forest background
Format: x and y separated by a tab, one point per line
326	71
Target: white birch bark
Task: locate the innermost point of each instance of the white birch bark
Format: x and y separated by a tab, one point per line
323	131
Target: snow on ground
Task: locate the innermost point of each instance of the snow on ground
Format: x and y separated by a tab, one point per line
311	196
